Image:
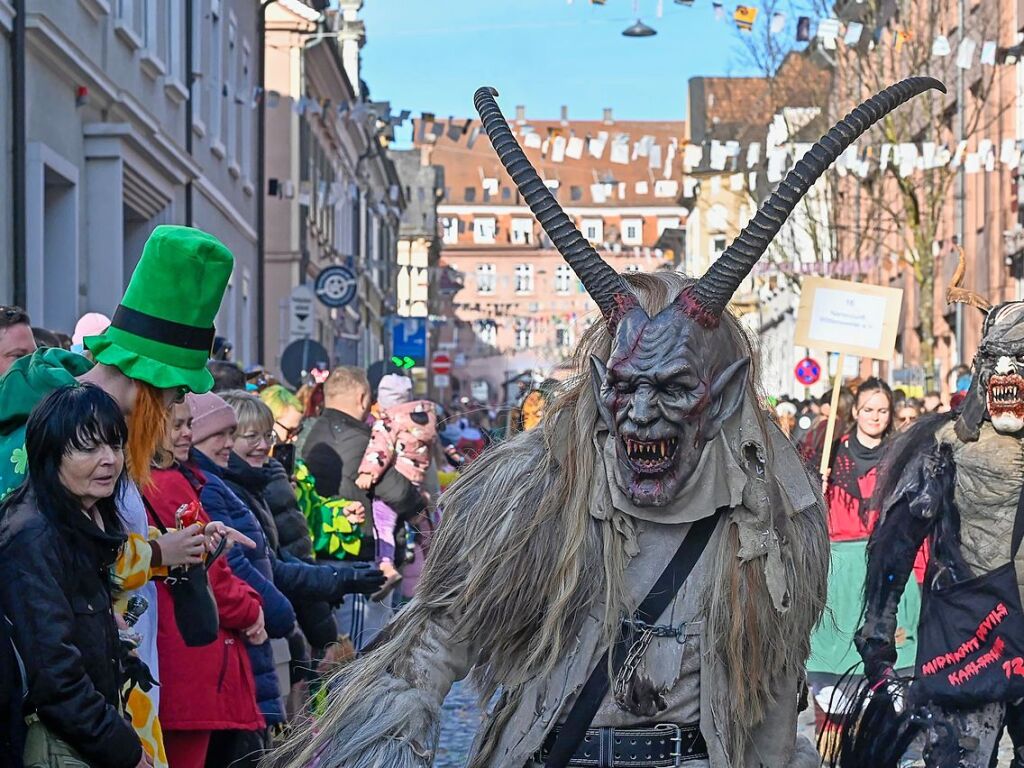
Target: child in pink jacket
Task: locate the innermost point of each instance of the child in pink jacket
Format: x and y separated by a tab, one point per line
403	435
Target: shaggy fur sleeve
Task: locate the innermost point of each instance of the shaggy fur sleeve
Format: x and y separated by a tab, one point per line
910	518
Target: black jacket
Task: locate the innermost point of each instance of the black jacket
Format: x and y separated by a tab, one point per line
55	589
332	452
311	588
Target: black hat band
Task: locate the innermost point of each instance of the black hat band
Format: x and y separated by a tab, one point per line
161	330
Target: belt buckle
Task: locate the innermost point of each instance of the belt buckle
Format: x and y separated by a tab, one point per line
677	740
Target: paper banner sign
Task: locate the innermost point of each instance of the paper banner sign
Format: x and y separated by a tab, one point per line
852	318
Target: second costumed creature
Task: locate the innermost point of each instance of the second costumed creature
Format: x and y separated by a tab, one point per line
636	580
953	480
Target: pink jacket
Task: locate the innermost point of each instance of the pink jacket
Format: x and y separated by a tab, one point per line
403	436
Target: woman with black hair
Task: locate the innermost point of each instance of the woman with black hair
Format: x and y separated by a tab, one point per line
852	515
59	535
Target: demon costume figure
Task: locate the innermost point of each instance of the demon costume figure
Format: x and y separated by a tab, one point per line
553	543
955	481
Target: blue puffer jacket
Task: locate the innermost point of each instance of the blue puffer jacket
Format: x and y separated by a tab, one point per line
255	567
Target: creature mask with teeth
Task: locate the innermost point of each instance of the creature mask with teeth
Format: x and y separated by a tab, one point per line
676	373
997	390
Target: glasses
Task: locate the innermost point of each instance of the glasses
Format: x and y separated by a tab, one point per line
254	438
290	433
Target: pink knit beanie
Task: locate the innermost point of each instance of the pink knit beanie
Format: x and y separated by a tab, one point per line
89	324
210	415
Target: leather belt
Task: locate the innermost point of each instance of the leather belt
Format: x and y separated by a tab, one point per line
659	746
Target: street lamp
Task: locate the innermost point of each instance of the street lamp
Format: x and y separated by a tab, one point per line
639	29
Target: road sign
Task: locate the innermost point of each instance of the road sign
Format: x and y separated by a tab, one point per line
301	357
403	363
409	338
300	312
441	363
336	286
808	371
442	381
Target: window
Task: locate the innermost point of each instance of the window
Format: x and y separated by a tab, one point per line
717	247
196	88
486	278
524	278
522	231
632	231
575	193
563	278
483	230
245	125
216	84
563	336
593	230
524	334
487	332
230	137
450	230
470	195
667	222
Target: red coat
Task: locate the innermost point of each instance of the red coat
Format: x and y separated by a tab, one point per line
211	687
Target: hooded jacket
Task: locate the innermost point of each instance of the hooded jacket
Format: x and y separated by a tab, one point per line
255	567
209	687
55	591
308	586
28	381
403	437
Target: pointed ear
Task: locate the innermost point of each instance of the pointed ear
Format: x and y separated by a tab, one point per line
726	395
598	374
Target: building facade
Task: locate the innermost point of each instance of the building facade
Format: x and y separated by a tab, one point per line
333	194
131	123
521	309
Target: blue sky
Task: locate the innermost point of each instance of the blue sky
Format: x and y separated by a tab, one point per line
430	55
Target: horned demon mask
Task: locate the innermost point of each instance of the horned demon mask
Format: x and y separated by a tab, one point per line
670	382
997	389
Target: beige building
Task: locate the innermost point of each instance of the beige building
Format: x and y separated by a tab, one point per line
521	309
333	195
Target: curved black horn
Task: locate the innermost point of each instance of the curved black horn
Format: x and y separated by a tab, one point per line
612	294
710	295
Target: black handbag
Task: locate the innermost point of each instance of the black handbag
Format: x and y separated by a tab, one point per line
195	608
971	637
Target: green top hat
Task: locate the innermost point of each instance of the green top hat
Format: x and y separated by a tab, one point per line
162	331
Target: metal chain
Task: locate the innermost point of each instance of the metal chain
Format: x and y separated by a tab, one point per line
633	661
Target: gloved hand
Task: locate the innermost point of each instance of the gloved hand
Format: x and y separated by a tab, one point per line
879	656
350	580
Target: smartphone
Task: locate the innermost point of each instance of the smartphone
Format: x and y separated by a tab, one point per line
285	453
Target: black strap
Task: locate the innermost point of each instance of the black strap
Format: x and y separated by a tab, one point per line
1018	527
662	593
165	331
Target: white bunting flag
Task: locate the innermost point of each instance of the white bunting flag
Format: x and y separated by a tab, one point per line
641	188
928	155
689	186
532	140
828	31
972	163
692	156
597	192
654	157
854	30
718	156
776	165
574	148
558	149
736	182
965	53
753	154
620	151
670	159
1009	155
988	53
778	23
716	184
941	46
883	158
597	145
752	181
